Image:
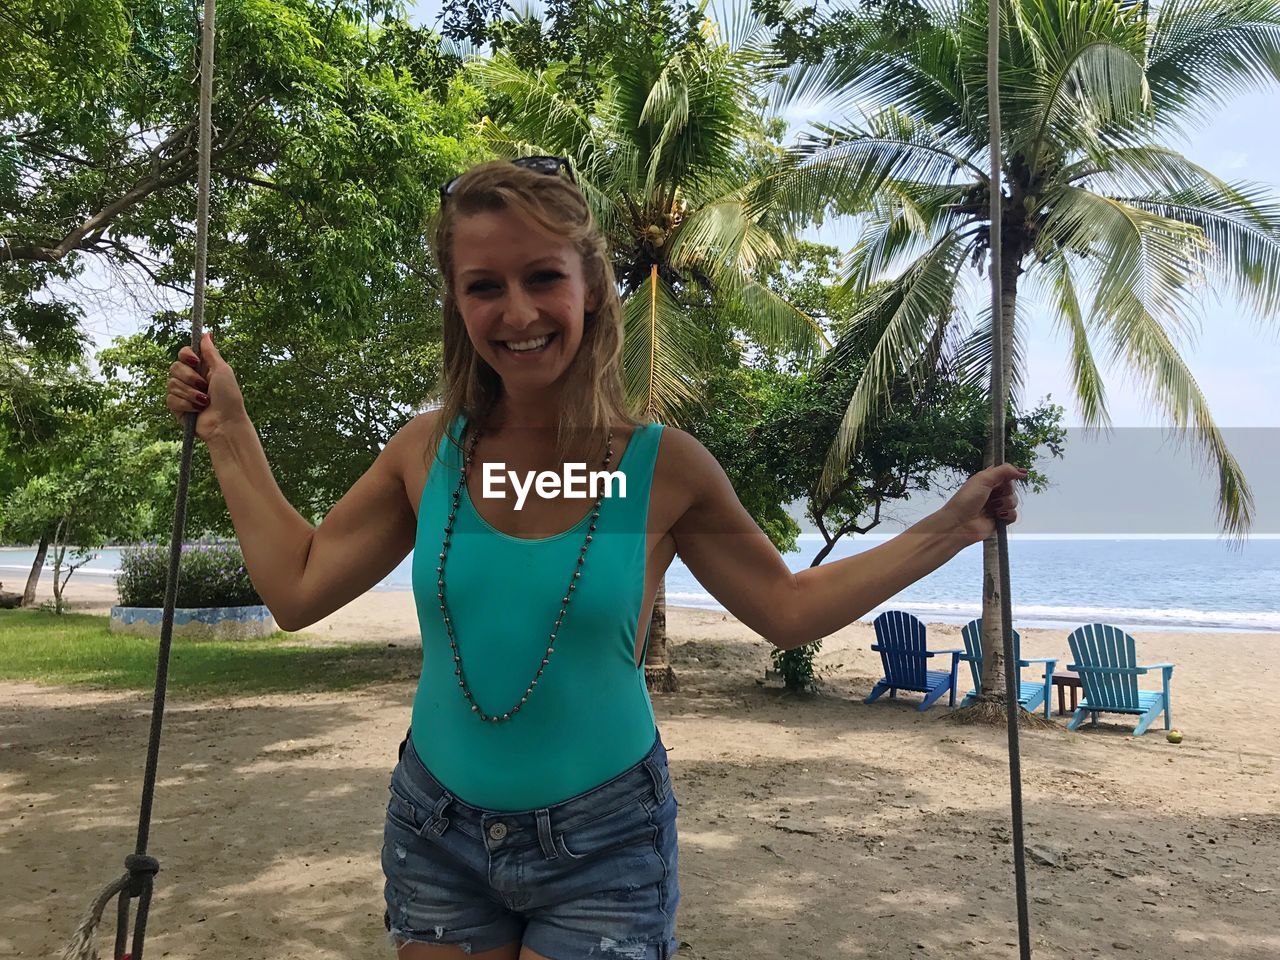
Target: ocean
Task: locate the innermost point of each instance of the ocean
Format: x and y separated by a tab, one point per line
1170	583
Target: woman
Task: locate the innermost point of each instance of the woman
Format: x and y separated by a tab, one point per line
531	813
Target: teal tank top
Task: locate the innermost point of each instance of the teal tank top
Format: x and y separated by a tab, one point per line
590	717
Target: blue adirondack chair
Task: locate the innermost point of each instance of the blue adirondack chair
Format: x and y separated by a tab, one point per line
1030	695
901	645
1109	671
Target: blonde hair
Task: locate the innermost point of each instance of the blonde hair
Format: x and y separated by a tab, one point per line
593	394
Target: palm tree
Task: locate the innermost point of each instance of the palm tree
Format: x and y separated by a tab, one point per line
1108	227
674	159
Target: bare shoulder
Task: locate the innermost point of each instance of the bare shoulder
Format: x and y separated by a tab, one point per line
407	451
681	452
686	475
411	438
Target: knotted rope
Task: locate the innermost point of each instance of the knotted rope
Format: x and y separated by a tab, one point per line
140	869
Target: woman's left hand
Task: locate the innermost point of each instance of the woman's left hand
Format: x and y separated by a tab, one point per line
972	510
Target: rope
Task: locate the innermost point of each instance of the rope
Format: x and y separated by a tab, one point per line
998	388
140	869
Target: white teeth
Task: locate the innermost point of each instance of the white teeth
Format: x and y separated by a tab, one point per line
528	344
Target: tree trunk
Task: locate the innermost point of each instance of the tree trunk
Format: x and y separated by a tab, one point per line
658	675
993	665
33	578
59	552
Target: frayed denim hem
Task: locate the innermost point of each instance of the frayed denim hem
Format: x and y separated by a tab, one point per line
398	938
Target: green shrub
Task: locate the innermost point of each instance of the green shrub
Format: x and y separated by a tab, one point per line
796	666
209	575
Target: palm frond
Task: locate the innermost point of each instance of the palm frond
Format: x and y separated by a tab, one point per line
905	315
1144	166
852	164
925	76
602	200
772	320
1201	53
1127	251
1140	339
1102	84
725	236
661	351
973	354
541	111
905	220
741	29
667	108
686	116
1070	318
1242	226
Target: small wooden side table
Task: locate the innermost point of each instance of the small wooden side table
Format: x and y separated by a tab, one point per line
1064	679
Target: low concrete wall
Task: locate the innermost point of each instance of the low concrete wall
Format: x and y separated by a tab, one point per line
197	623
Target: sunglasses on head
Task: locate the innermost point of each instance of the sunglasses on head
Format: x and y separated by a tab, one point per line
552	166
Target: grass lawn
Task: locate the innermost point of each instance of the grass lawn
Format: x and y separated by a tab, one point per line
79	649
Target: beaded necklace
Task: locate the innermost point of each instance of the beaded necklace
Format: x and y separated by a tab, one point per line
448	621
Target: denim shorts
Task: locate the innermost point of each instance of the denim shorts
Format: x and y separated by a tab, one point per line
591	876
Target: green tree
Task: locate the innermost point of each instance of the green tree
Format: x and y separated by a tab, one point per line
323	404
334	125
1110	227
814	32
46	391
103	485
933	439
672	155
331	134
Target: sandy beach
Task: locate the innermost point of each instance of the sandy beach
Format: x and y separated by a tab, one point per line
810	826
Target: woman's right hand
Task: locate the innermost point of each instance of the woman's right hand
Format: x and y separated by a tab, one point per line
205	385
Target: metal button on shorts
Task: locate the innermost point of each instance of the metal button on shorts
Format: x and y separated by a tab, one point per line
497	831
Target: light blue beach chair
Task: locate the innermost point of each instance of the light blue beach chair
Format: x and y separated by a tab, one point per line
1109	671
1030	694
901	644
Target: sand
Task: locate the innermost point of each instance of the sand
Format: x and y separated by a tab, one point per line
810	826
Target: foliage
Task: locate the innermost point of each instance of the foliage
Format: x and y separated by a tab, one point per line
103	484
675	160
931	441
335	123
1109	228
736	403
40	394
331	136
808	33
209	575
568	33
323	405
770	425
1114	231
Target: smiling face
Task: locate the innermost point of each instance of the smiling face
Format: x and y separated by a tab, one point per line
523	257
514	285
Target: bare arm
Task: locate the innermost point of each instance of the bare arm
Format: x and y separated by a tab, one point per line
729	554
303	573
